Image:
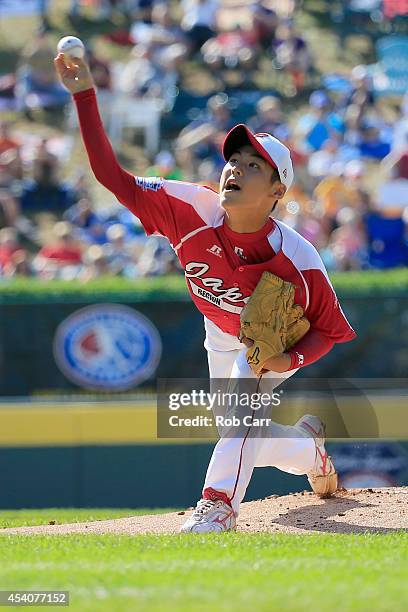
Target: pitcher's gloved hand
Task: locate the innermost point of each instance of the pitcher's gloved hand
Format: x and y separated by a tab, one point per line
271	321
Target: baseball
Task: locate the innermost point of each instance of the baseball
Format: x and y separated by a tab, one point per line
71	46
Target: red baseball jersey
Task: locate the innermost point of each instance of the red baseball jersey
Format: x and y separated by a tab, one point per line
222	267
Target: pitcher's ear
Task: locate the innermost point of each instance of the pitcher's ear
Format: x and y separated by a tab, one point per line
278	190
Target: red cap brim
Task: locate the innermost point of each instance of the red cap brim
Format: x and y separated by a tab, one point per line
241	135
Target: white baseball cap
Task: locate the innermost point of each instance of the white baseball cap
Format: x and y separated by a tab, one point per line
269	147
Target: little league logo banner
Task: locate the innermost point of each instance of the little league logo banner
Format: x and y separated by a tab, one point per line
107	347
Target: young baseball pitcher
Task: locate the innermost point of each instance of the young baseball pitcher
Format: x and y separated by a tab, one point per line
268	305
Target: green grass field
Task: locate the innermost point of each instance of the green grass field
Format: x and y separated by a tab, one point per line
232	571
17	518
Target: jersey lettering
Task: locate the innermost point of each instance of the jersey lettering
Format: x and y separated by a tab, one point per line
197	270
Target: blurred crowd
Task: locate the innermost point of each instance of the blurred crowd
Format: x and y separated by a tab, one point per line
51	228
349	146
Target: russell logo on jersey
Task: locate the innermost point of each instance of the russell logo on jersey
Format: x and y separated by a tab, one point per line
215	250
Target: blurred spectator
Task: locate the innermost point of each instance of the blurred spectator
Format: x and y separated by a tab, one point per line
347	243
140	10
44	155
37	83
203	137
169	65
11	170
393	192
355	172
140	76
74	9
45	192
291	54
100	69
387	240
7	141
320	123
95	234
320	162
79	185
305	221
135	233
160	34
122	253
199	21
342	187
89	224
19	265
96	264
7	93
236	48
165	166
148	73
400	131
361	95
103	9
43	6
373	144
82	215
9	209
157	258
264	24
219	112
9	247
269	117
63	251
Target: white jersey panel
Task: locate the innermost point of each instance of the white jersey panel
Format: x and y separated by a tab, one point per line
205	202
275	239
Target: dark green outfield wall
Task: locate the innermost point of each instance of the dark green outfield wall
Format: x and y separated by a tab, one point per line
159	475
375	303
27	364
118	476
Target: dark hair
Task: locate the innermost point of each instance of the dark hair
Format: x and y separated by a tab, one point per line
275	175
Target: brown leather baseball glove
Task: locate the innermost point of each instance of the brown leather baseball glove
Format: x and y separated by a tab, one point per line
271	320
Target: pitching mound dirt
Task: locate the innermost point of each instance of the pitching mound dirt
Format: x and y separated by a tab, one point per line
354	511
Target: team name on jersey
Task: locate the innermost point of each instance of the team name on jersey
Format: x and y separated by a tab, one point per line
196	269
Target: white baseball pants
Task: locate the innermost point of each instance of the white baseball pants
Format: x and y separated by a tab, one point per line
234	458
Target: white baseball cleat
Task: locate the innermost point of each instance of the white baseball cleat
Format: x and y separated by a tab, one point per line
323	476
210	516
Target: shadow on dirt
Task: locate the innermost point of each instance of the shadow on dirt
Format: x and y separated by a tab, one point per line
319	517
